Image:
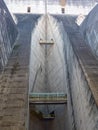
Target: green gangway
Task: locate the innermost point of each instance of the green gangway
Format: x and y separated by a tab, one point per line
47	98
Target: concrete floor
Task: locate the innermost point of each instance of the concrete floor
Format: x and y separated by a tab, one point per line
60	122
61	118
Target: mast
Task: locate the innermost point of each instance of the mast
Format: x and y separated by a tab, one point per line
46	73
46	20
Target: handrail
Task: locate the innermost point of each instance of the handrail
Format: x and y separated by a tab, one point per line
48	95
47	98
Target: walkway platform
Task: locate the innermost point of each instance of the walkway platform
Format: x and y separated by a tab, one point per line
44	42
47	98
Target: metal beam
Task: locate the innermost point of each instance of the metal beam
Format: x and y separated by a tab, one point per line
47	98
44	42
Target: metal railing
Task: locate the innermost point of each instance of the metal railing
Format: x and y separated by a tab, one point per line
47	98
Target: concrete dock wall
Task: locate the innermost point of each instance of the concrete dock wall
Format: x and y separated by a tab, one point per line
89	29
83	111
62	72
14	80
8	34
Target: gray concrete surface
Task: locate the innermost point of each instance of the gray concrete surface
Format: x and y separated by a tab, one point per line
60	122
53	61
8	34
52	79
14	80
79	75
90	31
82	68
81	88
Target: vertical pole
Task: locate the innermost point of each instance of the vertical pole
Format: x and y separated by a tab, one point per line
46	73
46	20
46	45
45	6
